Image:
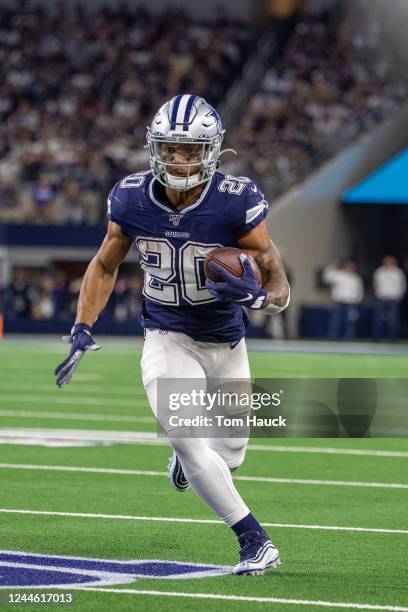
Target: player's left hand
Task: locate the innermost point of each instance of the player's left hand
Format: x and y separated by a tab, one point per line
81	341
245	290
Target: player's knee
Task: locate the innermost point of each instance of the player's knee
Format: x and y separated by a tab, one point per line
236	460
233	452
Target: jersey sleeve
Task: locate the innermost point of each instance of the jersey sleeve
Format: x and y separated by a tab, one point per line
255	207
117	206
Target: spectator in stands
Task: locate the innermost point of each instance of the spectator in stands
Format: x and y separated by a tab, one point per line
61	296
19	296
10	211
74	287
43	306
69	206
119	300
347	291
135	286
40	200
125	301
74	102
389	284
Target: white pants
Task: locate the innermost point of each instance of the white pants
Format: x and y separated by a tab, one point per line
206	461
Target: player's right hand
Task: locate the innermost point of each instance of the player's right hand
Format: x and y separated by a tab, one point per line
81	341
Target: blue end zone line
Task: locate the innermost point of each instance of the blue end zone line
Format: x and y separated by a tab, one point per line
164	519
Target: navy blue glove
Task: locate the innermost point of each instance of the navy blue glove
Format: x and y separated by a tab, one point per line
245	290
81	341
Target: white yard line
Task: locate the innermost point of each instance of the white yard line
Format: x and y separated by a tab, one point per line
337	483
91	470
75	416
120	437
327	450
168	519
127	472
74	389
91	401
245	598
144	437
31	369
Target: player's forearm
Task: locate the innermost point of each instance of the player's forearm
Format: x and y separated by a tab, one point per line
274	278
278	293
96	289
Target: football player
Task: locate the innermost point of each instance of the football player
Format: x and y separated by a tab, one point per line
175	214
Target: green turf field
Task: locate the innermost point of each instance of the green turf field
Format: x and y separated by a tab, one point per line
337	508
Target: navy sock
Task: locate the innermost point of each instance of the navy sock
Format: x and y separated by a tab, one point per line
248	523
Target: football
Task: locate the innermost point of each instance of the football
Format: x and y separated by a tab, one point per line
228	257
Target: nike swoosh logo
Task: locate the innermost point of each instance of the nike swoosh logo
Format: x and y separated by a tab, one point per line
248	297
254	190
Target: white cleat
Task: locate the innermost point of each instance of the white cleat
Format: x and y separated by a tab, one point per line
257	554
176	474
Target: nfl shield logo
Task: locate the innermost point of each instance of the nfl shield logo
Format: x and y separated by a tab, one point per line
175	219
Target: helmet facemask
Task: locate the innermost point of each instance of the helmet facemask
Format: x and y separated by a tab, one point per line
183	163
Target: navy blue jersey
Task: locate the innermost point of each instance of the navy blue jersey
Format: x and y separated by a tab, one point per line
173	244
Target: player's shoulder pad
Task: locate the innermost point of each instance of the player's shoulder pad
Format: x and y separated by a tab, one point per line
120	197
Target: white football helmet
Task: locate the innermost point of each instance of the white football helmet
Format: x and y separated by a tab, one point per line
190	120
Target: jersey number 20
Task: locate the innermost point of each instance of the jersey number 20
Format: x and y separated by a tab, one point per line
160	262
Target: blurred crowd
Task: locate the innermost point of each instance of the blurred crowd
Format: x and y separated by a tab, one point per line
48	296
332	83
79	91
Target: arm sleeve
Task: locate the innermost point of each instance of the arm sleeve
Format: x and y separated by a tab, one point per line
255	207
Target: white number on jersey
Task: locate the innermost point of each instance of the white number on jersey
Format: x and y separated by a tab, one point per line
134	180
158	260
233	184
193	288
